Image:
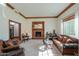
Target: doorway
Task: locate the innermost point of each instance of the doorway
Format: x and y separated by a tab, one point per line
14	30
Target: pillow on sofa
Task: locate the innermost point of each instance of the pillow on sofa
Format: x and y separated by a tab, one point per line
69	41
64	39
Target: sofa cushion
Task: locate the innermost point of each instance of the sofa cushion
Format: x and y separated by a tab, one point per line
75	40
60	38
69	41
10	44
14	42
64	39
58	43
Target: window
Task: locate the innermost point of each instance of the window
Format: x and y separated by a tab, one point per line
69	27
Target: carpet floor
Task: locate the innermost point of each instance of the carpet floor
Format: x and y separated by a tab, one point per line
37	48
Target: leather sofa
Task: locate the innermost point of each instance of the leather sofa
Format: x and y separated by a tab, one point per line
7	47
66	45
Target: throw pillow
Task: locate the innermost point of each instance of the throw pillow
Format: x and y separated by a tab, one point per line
64	39
69	41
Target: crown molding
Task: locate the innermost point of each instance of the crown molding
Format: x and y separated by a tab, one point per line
22	15
69	18
69	6
42	17
10	6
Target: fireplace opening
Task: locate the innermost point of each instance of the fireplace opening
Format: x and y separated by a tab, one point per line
38	34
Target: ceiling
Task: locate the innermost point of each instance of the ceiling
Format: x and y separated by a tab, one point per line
40	9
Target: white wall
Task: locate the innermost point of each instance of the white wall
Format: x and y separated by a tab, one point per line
3	26
50	24
6	14
59	26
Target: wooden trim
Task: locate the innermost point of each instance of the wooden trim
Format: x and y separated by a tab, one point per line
19	28
9	5
14	21
70	5
22	15
16	36
69	18
36	16
41	17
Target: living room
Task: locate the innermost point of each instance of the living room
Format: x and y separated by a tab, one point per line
61	17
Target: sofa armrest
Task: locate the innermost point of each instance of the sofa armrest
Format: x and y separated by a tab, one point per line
10	48
70	45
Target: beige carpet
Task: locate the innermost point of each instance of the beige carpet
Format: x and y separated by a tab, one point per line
37	48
